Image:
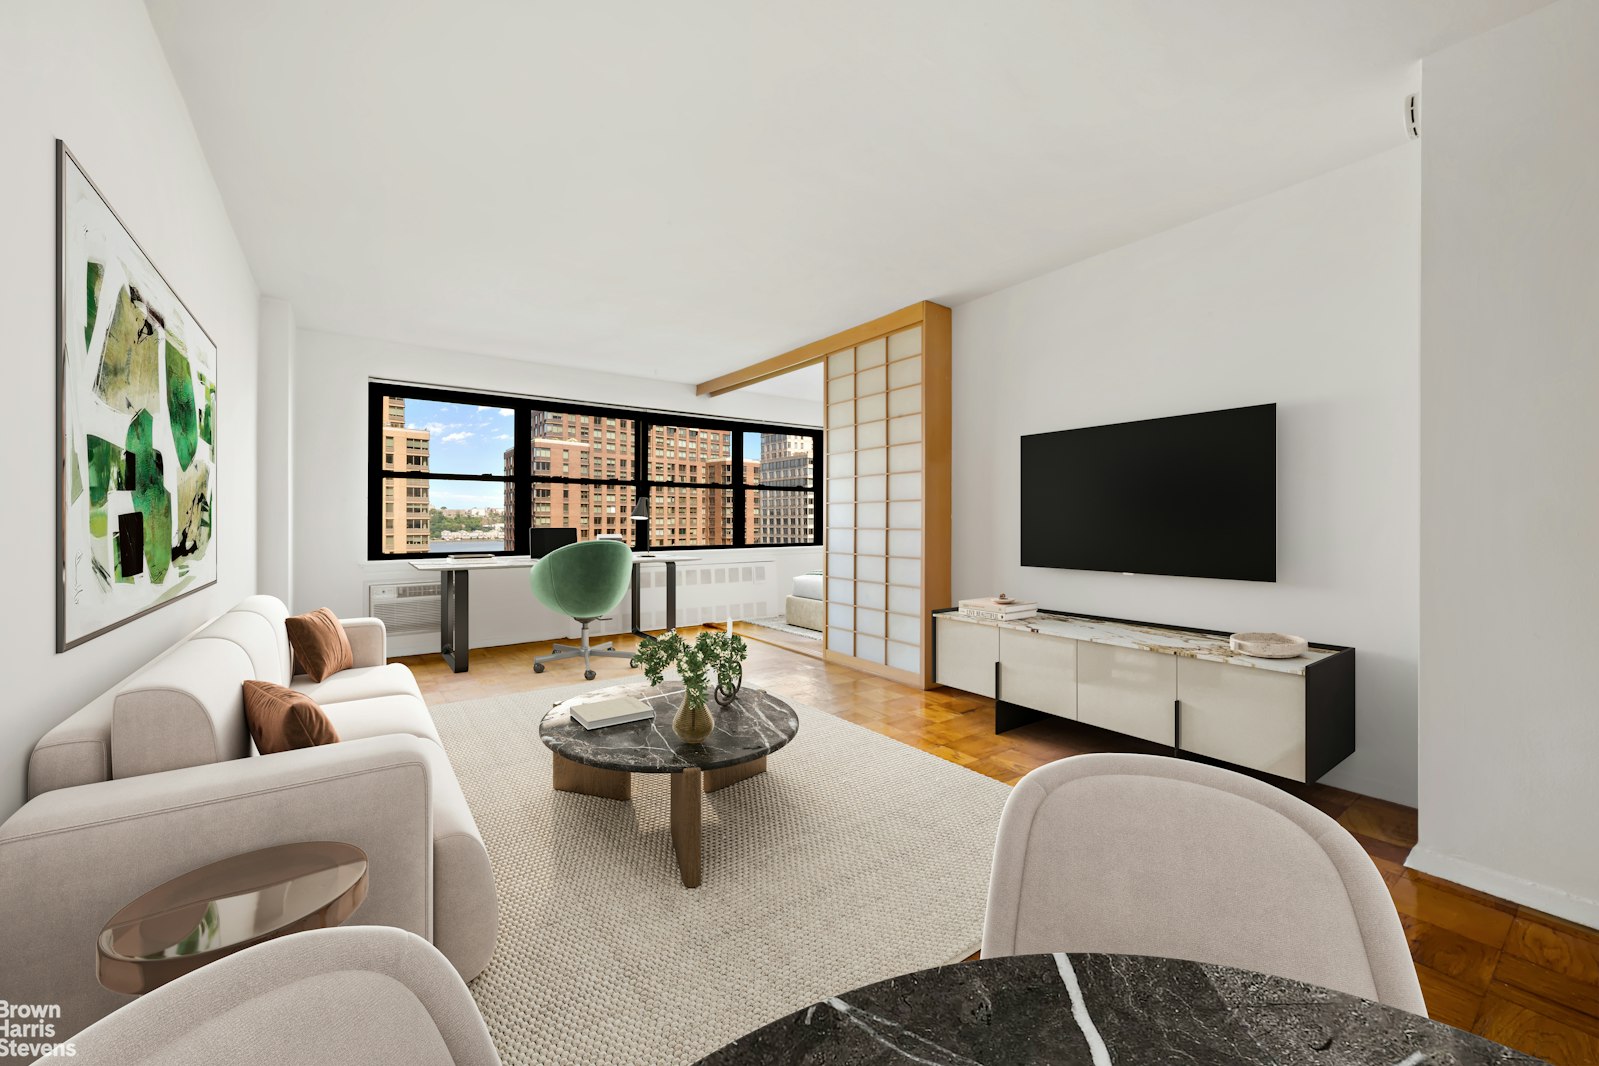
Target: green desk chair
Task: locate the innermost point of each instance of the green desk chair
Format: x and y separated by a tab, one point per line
583	580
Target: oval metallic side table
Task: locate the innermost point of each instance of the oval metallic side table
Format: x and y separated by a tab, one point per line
227	906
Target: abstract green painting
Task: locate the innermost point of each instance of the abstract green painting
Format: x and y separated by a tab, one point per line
138	425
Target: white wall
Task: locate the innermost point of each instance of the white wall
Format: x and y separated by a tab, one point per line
92	73
330	489
276	441
1510	462
1306	298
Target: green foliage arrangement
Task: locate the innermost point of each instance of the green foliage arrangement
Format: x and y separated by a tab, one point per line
710	651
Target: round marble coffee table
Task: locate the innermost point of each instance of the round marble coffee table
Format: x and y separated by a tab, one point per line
1086	1010
602	762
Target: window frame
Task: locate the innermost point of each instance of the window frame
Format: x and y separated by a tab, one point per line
524	476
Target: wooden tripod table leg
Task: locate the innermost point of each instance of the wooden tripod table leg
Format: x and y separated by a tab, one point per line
686	790
732	775
572	776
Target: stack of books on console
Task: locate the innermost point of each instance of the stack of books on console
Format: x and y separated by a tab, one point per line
990	609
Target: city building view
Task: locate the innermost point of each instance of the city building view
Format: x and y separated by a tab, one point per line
428	512
406	518
786	517
412	524
693	511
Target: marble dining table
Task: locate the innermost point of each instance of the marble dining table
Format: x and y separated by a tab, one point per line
1104	1010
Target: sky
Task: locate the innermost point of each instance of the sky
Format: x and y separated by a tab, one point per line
465	439
472	439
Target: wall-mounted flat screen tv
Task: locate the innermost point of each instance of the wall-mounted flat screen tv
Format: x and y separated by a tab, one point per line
1191	495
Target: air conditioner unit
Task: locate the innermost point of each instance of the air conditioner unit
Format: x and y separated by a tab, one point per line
405	608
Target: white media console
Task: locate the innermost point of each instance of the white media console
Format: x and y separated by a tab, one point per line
1185	688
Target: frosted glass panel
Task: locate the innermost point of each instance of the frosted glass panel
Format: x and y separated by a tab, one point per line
906	372
904	429
904	657
870	354
876	512
905	401
869	648
904	486
904	601
907	343
905	514
906	543
903	457
870	408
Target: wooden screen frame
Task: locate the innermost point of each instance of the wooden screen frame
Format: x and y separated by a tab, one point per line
937	460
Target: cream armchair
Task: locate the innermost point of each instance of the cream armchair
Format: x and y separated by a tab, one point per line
353	996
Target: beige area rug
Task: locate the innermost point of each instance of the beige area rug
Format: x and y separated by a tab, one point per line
852	859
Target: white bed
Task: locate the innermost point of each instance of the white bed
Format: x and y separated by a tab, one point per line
805	607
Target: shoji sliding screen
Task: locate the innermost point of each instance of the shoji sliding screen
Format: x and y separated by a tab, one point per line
888	494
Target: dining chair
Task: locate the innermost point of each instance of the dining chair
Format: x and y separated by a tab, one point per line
363	995
1149	855
583	581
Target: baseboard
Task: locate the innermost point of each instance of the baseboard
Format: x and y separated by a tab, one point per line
1541	897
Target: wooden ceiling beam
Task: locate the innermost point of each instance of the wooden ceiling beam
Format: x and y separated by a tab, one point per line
815	352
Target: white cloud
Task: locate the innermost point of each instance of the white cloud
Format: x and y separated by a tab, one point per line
458	436
506	411
503	436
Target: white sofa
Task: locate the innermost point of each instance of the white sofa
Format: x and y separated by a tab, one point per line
159	777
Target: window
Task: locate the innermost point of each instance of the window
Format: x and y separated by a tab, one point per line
465	466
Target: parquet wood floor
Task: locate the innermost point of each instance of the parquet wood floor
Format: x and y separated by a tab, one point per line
1513	974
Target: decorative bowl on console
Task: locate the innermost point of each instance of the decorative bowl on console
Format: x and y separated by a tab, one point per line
1268	645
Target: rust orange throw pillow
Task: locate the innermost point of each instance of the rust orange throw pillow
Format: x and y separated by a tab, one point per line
281	719
319	643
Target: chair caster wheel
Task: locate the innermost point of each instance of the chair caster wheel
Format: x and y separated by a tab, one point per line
538	668
588	675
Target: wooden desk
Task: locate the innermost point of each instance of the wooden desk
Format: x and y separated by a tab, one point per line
455	595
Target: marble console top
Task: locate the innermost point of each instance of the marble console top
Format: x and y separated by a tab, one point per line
756	723
1164	639
1086	1010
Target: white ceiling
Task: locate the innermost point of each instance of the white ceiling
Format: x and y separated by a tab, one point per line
677	189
